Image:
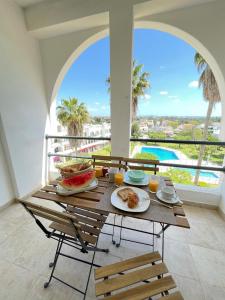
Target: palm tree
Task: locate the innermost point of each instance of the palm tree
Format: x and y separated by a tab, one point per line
211	94
72	115
139	85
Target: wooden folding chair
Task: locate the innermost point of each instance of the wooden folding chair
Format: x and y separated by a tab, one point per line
141	164
136	278
108	161
76	230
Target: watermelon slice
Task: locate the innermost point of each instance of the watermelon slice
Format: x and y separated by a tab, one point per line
78	181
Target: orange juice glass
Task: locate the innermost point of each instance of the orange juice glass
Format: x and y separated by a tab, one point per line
153	185
118	178
98	172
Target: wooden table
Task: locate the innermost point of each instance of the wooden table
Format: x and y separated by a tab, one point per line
99	200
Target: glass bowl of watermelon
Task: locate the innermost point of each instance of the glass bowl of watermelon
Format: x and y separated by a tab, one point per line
77	183
70	169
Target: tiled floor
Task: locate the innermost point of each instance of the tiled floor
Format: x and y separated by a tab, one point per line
195	257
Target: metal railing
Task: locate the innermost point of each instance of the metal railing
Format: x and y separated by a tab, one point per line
166	141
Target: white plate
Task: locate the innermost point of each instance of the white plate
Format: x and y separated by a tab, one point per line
143	182
173	200
65	192
143	204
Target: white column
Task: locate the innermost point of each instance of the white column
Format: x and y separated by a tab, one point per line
121	42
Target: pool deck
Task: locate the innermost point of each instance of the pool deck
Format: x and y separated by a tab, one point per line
182	159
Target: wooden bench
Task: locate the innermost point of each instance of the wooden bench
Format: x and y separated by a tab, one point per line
137	278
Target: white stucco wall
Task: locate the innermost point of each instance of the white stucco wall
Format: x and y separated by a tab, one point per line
22	100
58	54
6	189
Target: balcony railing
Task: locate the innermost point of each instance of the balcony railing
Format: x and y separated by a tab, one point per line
212	168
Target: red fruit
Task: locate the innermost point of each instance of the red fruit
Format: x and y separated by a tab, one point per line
78	181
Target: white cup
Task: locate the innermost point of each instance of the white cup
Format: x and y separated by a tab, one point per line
168	192
111	174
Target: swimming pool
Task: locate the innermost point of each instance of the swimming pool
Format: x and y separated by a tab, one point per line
165	154
160	153
205	174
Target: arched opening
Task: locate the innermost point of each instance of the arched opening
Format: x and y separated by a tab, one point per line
156	26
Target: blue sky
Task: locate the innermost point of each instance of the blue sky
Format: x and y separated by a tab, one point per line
173	77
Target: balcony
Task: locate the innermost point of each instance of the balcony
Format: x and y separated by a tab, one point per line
39	40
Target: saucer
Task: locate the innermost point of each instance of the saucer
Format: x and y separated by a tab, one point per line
174	200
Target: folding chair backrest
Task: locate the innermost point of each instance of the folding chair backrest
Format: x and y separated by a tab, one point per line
108	161
50	214
141	164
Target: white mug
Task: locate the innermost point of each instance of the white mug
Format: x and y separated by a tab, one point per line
111	174
168	192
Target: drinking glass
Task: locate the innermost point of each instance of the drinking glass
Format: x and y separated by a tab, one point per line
153	184
118	178
98	172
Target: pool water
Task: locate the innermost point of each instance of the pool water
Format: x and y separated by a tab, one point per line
160	153
164	154
203	173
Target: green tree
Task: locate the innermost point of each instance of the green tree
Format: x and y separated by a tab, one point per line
211	94
157	135
72	115
178	176
135	130
148	156
140	84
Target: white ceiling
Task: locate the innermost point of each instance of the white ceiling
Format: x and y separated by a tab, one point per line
25	3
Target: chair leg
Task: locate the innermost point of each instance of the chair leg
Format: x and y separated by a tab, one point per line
51	264
121	227
58	249
89	275
114	222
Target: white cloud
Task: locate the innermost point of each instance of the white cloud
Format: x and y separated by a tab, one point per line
145	97
193	84
163	93
97	103
173	97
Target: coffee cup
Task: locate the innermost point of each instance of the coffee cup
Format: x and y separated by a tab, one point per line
168	192
111	174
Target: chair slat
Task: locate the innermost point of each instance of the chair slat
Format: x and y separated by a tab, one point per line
49	217
89	229
109	164
88	214
105	157
127	265
145	290
143	168
130	278
173	296
68	229
141	161
62	215
88	221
